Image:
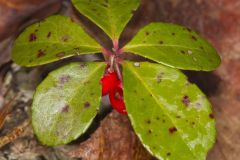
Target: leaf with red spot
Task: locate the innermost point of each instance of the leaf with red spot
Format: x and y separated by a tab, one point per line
66	102
52	39
170	115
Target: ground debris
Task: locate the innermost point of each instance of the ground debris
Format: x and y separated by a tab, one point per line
114	139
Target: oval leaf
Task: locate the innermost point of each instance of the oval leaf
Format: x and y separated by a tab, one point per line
55	38
66	102
174	46
110	15
172	117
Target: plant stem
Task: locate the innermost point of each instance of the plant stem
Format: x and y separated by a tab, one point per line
117	69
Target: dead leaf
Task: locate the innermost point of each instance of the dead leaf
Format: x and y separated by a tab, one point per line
114	139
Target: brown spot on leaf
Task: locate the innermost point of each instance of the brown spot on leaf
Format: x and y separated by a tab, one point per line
83	65
65	109
160	42
32	37
65	38
211	116
64	79
40	53
60	54
146	33
194	38
104	5
183	52
172	130
173	34
189	30
159	77
49	34
150	131
186	101
178	116
86	82
168	154
87	105
148	121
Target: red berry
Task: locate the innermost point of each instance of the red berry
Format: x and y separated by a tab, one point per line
108	82
113	86
116	99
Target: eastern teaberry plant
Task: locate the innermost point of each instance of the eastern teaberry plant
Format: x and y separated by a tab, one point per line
172	117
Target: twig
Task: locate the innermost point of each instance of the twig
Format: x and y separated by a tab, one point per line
5	110
14	134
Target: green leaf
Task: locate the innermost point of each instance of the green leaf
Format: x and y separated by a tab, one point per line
172	117
174	46
55	38
66	102
110	15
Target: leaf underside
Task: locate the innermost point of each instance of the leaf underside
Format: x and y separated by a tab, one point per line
174	46
172	117
52	39
110	15
66	102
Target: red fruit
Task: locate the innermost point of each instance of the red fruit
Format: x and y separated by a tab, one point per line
109	81
113	86
116	99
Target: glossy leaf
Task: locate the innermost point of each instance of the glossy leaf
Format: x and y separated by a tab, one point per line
172	117
174	46
66	102
110	15
55	38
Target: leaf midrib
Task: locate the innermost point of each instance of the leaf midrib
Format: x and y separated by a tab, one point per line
64	44
159	45
155	99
